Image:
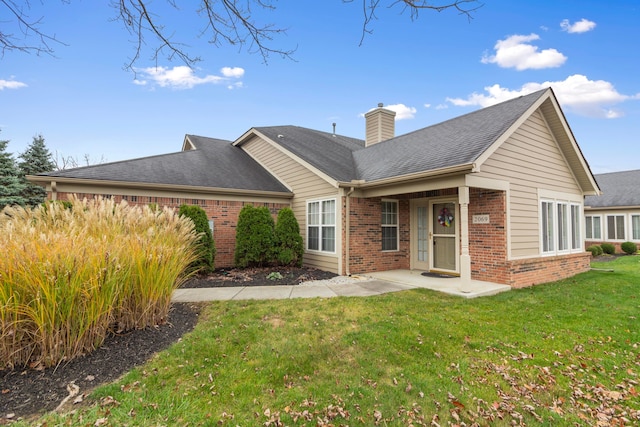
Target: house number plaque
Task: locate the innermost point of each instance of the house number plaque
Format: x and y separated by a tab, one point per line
480	219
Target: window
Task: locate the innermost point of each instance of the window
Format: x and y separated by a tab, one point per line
635	227
615	227
321	226
576	240
389	226
560	227
547	227
563	227
594	228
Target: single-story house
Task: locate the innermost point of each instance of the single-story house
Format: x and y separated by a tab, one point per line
614	216
494	195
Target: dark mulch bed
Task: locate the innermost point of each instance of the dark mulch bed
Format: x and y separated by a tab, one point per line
260	276
28	392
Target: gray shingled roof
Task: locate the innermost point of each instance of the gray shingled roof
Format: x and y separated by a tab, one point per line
218	163
330	153
458	141
214	163
618	189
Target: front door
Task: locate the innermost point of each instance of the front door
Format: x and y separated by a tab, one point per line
444	241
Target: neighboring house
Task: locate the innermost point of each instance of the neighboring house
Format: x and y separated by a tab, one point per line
614	217
494	195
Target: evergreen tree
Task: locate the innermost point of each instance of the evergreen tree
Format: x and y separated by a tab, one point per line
36	159
11	185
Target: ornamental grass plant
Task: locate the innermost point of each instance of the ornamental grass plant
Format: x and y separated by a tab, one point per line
70	275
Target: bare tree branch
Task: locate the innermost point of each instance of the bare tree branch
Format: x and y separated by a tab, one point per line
225	22
62	162
137	19
369	8
28	27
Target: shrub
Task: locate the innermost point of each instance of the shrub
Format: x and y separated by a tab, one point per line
288	241
629	248
68	276
595	250
207	248
608	248
254	237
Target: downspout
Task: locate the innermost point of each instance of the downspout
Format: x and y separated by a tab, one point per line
347	229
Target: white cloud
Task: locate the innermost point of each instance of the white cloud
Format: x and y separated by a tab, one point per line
11	84
516	52
402	111
183	77
427	105
582	26
235	72
592	98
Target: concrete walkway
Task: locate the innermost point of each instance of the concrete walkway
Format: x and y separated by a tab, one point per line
360	286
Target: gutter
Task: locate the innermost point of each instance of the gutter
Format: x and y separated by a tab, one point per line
56	180
450	170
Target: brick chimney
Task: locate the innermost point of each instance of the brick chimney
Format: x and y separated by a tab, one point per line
380	125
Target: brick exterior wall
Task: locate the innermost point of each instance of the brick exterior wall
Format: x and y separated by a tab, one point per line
224	215
365	252
488	242
528	272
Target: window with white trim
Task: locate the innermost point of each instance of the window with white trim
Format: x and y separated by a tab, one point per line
635	227
548	240
615	227
321	226
389	225
576	239
560	227
594	227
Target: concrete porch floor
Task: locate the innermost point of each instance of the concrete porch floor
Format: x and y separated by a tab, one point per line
451	285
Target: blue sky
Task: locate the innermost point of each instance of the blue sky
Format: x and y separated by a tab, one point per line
436	67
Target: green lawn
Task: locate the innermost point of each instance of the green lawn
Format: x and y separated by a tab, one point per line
565	353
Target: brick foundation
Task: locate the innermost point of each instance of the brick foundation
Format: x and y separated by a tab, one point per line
528	272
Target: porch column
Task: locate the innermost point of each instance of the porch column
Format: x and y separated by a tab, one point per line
465	258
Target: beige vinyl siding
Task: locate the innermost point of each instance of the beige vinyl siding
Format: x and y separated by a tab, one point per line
530	159
306	186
